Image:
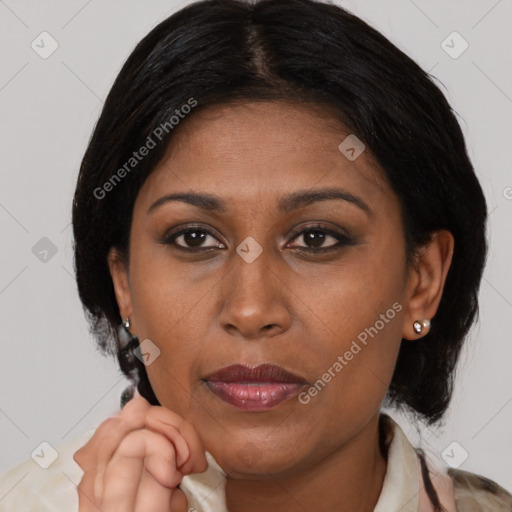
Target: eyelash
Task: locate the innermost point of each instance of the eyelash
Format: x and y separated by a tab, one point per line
343	239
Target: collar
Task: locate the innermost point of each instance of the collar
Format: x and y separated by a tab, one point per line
404	489
400	489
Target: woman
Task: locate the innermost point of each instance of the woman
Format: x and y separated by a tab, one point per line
277	230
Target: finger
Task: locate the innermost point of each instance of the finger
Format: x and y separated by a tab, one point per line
189	447
151	496
157	419
86	500
108	435
179	502
139	449
98	451
168	423
197	462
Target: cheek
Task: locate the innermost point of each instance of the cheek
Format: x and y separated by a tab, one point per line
168	294
350	296
170	312
358	323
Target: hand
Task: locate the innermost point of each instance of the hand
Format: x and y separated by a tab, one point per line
135	461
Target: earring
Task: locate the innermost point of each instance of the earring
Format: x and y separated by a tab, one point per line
418	325
124	334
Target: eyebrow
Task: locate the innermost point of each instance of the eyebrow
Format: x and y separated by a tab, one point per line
299	199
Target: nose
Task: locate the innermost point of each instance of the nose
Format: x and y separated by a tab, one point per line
255	299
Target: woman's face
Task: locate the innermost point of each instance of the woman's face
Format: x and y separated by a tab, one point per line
256	282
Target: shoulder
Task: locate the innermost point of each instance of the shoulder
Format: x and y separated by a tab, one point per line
475	493
43	486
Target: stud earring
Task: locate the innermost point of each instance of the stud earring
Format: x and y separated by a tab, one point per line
418	326
124	334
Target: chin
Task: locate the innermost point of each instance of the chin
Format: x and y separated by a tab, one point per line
255	461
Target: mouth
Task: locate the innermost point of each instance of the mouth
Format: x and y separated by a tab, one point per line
254	389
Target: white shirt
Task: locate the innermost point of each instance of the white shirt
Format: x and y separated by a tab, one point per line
29	488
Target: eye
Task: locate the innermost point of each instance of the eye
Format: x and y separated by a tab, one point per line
192	238
316	236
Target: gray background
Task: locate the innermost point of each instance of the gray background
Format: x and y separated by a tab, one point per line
54	384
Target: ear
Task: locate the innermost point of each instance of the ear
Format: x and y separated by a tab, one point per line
120	279
426	280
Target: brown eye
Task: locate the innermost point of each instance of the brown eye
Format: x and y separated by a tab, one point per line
192	238
316	239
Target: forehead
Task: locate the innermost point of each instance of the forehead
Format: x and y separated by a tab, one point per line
254	151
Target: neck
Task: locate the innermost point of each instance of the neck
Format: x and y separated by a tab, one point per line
347	480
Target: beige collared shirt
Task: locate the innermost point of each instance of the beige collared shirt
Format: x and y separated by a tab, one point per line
30	488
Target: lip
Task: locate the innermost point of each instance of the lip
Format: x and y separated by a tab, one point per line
255	389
